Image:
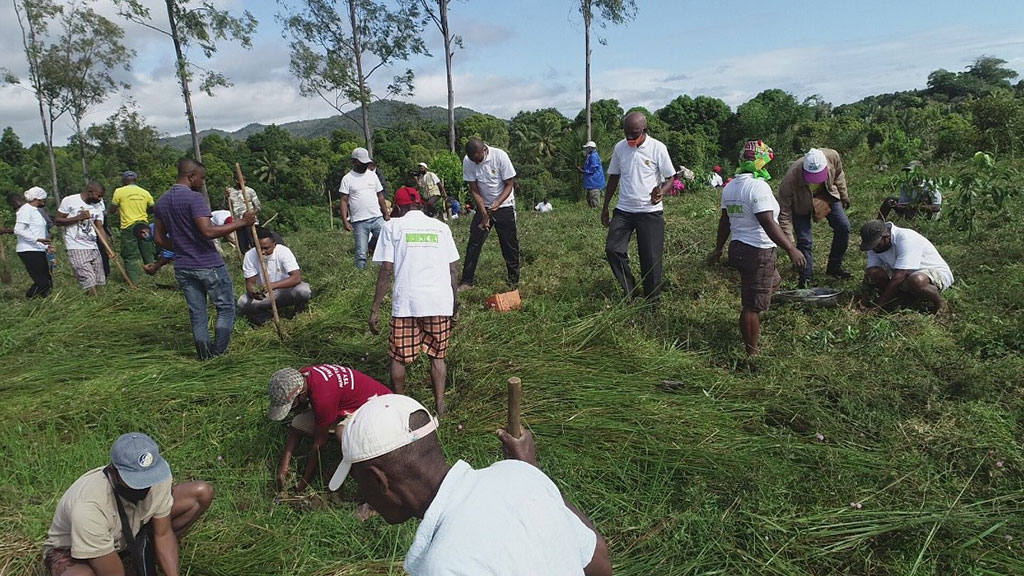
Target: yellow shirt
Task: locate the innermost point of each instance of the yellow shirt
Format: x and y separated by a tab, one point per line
87	522
132	201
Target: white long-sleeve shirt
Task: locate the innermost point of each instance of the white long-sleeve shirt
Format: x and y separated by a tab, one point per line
29	227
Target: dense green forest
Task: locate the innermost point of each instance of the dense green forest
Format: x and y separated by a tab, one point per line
955	115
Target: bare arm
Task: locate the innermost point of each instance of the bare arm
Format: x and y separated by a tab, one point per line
166	544
107	565
344	212
453	271
383	282
160	235
505	193
898	276
294	279
294	435
775	233
724	229
382	202
63	219
320	435
207	229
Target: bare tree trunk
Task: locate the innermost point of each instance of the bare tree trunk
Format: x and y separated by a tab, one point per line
448	54
586	28
182	67
28	40
364	98
81	149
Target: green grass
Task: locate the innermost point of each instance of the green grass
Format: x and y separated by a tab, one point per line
921	420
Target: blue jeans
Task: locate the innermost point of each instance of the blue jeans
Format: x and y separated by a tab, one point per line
840	238
366	232
196	284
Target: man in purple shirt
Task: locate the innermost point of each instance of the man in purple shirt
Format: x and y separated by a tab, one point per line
182	214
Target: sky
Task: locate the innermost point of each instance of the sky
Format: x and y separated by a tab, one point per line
529	54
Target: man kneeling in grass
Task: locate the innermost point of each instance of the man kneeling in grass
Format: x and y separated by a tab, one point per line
290	293
108	508
508	518
328	394
901	260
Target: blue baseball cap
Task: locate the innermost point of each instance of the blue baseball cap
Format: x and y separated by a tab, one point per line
137	460
129	175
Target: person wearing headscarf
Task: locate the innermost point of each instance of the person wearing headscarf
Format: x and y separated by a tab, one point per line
32	229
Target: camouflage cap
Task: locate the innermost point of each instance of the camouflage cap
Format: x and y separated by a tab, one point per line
284	387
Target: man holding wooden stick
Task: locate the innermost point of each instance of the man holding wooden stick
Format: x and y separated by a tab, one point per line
182	212
508	518
81	215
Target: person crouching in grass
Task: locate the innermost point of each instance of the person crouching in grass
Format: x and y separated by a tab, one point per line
290	293
901	261
104	513
750	214
327	394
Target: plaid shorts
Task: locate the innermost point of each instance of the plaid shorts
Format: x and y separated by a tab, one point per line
88	268
410	335
759	278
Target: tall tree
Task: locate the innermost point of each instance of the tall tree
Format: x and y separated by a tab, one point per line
33	18
610	11
437	10
81	63
334	56
203	24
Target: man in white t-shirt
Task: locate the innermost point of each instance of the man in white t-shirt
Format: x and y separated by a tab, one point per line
508	518
900	259
290	293
81	214
750	214
421	253
363	210
544	206
491	178
643	167
87	534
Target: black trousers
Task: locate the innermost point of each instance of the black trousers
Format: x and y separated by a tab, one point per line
245	239
650	245
504	223
38	268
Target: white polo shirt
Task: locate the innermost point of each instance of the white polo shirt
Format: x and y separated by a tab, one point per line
909	251
640	169
508	518
743	199
362	190
280	264
421	249
490	175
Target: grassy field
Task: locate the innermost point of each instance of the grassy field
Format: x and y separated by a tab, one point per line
854	445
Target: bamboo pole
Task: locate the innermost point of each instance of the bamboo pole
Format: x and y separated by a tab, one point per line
259	253
102	237
515	400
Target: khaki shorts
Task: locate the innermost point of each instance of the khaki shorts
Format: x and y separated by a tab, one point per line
411	335
759	277
305	422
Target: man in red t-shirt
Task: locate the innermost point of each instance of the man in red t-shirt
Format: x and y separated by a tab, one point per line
330	394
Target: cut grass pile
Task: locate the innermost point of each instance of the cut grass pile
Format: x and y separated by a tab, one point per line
855	445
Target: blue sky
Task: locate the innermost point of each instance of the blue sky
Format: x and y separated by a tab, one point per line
528	54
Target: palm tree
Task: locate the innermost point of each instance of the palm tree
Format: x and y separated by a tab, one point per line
270	165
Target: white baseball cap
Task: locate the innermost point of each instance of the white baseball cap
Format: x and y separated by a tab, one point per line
379	427
424	165
590	144
815	166
361	155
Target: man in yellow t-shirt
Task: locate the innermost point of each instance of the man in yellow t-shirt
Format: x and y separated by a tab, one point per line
86	534
134	203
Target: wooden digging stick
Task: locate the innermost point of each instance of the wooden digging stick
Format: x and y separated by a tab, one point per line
102	237
259	252
515	398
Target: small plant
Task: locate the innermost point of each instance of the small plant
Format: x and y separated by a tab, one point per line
982	187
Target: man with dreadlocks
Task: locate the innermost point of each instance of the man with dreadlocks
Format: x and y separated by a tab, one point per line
750	214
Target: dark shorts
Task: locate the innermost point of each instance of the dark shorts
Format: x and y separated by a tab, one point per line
759	278
59	560
410	335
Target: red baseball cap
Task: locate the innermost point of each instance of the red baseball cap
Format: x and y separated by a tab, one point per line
406	196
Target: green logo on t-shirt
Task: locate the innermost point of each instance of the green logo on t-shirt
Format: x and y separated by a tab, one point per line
734	209
420	238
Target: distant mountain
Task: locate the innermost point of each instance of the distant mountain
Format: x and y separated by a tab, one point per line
383	114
